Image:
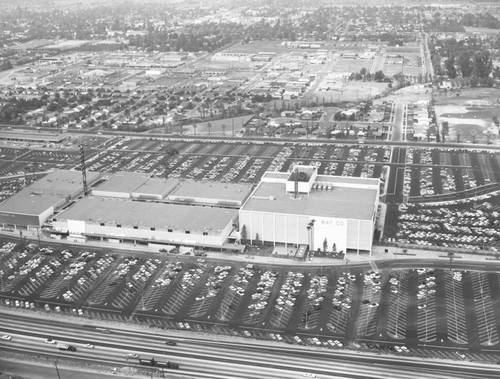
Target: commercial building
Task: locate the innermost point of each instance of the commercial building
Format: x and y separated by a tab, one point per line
320	211
300	209
31	137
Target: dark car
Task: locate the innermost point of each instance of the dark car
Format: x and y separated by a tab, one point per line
170	343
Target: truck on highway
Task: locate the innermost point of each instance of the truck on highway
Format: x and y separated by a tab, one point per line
167	364
147	362
65	346
154	363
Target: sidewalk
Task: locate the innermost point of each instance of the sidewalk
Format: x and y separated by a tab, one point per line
379	253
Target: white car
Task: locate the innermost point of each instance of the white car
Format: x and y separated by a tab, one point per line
51	341
6	337
89	346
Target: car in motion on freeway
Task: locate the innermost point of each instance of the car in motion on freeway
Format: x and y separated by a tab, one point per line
6	337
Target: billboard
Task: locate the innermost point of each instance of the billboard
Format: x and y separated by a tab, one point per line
328	231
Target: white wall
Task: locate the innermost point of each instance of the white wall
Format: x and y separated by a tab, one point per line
292	229
76	226
80	227
122	195
359	234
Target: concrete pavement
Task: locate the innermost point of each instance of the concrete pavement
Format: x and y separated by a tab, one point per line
379	253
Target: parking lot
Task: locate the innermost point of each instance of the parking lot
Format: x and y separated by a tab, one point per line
470	224
330	307
442	171
232	162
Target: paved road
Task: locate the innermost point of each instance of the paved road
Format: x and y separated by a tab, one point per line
203	357
397	126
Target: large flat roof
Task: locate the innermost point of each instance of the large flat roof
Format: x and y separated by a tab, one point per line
124	182
29	203
341	202
63	182
157	186
212	190
138	183
148	214
32	136
54	189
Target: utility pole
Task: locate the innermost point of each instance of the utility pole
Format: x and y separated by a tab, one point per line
57	370
22	239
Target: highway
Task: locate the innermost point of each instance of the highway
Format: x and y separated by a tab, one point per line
209	356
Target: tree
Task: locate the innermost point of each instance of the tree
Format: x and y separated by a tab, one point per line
243	233
449	66
52	107
459	133
379	76
465	64
436	64
488	137
496	122
223	129
445	129
257	238
5	65
482	64
209	127
194	128
325	245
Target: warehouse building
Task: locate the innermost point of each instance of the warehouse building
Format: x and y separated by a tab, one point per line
121	220
164	213
303	208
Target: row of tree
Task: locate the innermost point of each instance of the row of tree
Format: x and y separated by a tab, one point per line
467	58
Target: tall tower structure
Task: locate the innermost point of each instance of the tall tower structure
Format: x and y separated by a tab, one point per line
84	171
